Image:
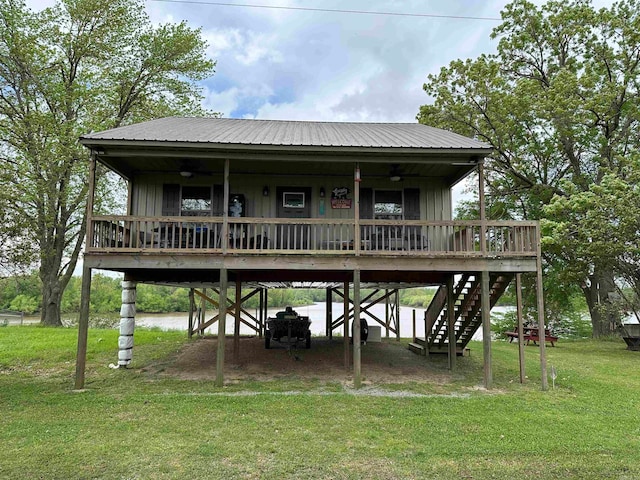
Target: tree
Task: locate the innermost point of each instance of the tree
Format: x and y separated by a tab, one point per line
600	223
559	104
80	66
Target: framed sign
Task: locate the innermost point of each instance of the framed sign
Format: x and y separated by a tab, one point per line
293	199
339	198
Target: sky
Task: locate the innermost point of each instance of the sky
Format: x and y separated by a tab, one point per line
280	64
309	65
329	66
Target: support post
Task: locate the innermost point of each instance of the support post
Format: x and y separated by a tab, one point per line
329	313
83	328
520	326
414	325
127	323
485	306
345	305
541	326
191	305
236	329
266	309
386	312
426	336
222	321
83	321
396	299
451	323
203	311
260	315
357	374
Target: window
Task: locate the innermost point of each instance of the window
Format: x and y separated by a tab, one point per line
293	199
196	201
388	205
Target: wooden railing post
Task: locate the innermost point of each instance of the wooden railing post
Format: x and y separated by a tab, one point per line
224	241
356	210
483	213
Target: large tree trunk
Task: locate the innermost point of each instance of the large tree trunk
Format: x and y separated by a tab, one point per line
51	302
54	276
604	315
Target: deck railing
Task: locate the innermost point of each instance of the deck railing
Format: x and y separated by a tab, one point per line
310	236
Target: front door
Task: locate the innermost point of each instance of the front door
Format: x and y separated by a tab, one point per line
293	202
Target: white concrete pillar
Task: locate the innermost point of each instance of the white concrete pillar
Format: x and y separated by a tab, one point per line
127	323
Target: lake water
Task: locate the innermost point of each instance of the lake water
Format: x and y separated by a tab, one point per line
316	312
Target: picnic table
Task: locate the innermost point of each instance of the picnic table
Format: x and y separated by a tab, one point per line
531	334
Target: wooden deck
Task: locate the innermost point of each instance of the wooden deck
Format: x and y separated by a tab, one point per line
261	236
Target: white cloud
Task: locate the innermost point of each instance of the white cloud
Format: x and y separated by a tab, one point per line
275	63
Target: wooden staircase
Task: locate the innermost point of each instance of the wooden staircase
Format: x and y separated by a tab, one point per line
467	313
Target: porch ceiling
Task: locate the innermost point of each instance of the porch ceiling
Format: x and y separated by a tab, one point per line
451	166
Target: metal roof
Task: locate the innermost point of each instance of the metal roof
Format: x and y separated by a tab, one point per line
227	131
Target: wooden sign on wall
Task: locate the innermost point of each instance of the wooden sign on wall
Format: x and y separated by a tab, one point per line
339	198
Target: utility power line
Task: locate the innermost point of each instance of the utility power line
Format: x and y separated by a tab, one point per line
329	10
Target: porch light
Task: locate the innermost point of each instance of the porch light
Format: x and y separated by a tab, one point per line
322	192
265	191
394	174
186	174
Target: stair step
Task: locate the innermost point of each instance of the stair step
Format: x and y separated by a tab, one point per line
419	341
415	348
445	351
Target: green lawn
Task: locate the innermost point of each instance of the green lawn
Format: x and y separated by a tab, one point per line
139	424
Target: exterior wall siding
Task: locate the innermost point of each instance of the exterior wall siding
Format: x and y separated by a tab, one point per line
435	196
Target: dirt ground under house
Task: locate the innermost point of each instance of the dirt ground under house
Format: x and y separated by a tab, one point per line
388	361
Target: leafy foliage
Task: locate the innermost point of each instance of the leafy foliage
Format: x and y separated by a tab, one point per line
77	67
560	105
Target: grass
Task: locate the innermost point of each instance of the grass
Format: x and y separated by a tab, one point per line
140	424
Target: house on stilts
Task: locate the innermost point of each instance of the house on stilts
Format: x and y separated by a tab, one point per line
261	204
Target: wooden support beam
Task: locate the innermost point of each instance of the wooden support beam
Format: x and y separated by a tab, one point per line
231	307
83	320
451	323
386	313
357	374
414	333
345	304
266	308
236	329
520	326
485	307
329	313
261	318
203	312
83	328
541	325
204	296
397	317
191	305
221	329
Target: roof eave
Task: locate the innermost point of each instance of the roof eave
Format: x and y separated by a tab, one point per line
330	149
